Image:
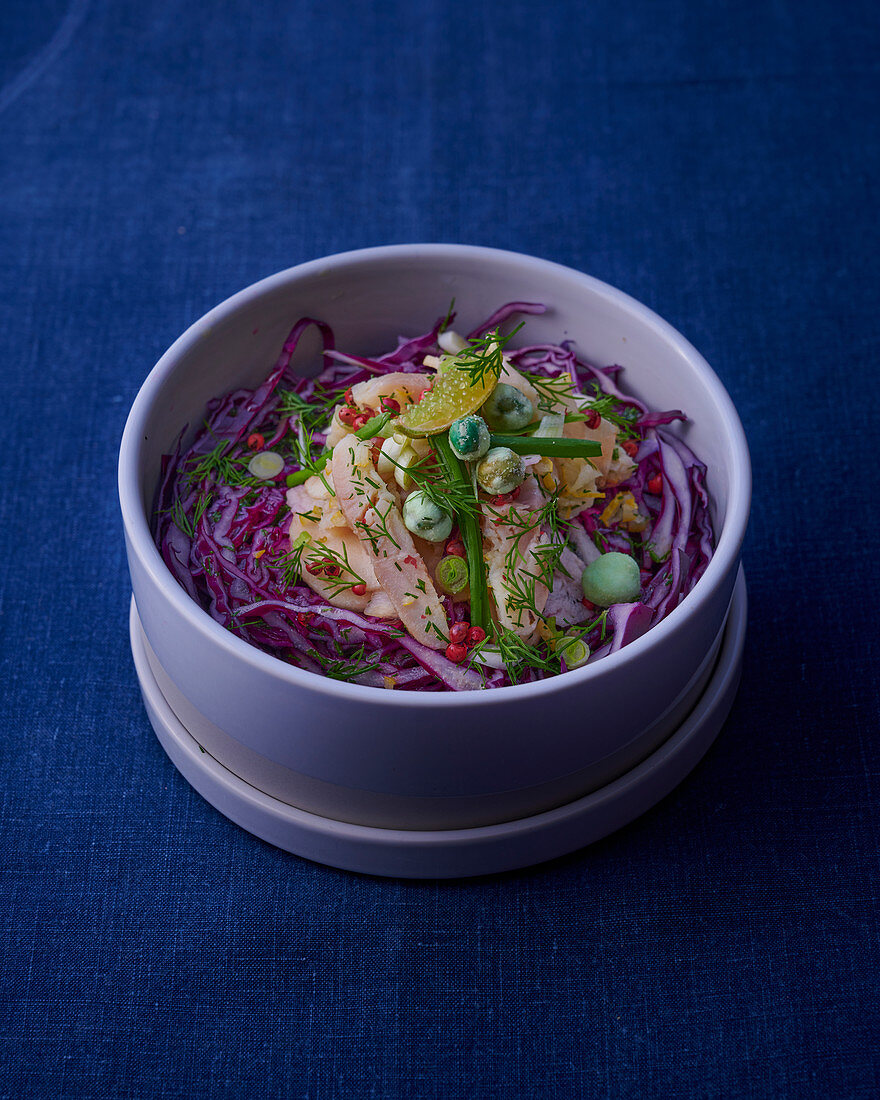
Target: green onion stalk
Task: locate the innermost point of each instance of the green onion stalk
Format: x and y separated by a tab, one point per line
369	431
373	426
471	536
552	447
311	470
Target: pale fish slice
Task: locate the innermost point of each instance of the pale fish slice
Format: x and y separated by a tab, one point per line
511	557
373	513
310	514
565	602
404	388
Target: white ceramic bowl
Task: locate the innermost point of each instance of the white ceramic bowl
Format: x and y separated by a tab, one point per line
403	759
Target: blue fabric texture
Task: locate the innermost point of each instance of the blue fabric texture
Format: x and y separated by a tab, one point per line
717	161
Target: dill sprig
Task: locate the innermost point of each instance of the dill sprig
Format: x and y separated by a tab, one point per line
526	520
548	559
290	563
601	621
222	467
304	552
551	390
310	463
554	389
180	519
202	504
621	415
375	532
521	583
600	540
451	497
517	653
484	356
374	529
347	579
521	594
455	496
348	666
312	414
450	313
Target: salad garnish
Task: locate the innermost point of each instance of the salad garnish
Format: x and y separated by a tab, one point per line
456	514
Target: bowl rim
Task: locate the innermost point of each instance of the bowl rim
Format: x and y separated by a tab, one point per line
137	527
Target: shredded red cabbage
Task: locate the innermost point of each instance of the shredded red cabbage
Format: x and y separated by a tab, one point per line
223	534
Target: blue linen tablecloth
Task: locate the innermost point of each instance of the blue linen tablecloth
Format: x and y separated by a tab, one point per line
717	161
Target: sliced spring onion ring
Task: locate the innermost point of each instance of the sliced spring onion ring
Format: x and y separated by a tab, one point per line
265	465
452	574
574	651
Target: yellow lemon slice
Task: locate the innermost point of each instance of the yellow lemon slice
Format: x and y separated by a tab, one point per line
452	395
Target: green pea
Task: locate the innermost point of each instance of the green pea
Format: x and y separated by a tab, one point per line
501	471
469	437
425	518
612	578
507	410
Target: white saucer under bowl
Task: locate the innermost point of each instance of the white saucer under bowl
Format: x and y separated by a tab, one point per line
454	853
